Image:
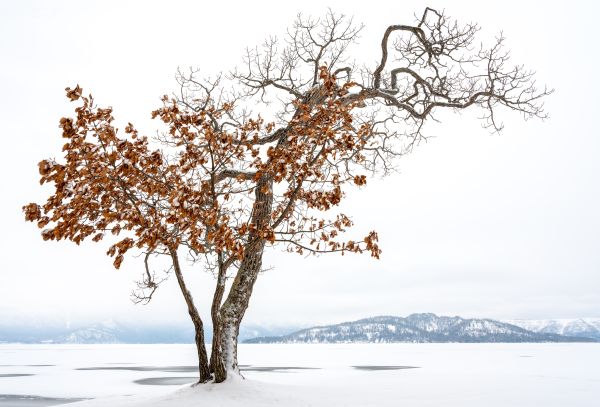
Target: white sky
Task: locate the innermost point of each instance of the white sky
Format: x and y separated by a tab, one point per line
476	224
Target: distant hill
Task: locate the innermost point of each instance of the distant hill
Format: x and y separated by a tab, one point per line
581	327
417	328
414	328
109	332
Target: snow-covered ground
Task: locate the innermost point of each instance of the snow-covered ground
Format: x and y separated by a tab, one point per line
464	375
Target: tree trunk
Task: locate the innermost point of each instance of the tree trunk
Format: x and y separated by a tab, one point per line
231	313
216	361
203	368
226	345
217	366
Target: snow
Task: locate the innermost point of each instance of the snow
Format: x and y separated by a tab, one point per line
465	375
415	328
586	327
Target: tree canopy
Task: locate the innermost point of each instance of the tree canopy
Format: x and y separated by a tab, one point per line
264	154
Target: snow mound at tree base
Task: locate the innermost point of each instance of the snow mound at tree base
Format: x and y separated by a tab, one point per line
232	393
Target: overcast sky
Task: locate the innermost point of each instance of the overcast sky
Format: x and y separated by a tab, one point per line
479	225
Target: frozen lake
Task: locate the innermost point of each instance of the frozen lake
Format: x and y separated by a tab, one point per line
446	375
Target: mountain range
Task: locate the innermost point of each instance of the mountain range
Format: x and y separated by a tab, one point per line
584	327
420	328
414	328
110	332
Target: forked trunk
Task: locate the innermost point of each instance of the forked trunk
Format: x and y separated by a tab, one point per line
232	311
225	340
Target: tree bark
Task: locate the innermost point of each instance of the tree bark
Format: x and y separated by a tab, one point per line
203	368
216	361
233	309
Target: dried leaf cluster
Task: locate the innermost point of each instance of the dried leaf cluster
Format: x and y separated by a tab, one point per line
198	190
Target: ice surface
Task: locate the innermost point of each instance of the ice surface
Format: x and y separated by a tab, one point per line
465	375
11	400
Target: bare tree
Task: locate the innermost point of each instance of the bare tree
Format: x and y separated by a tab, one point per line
258	156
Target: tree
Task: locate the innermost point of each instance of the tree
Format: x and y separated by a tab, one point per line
259	156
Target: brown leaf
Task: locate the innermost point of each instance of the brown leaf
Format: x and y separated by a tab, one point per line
74	94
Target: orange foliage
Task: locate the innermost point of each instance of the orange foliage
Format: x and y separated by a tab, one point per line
197	188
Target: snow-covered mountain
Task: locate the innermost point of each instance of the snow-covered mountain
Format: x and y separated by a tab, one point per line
417	328
414	328
94	334
582	327
111	331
